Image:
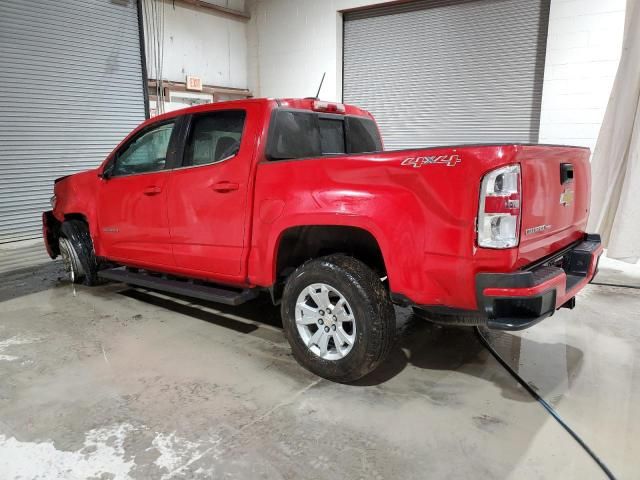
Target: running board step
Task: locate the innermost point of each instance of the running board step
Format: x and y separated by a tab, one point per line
179	287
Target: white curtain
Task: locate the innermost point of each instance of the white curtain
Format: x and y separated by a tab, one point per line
615	198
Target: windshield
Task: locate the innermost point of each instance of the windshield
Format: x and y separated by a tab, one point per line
302	134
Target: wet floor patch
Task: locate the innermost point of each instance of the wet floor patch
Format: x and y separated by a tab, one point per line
585	364
137	384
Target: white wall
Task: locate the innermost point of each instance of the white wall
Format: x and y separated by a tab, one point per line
291	42
583	51
203	42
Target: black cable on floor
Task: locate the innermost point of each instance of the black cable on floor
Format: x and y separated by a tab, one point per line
615	285
542	402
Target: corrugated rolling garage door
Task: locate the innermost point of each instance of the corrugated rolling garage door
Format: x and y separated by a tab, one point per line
70	89
448	72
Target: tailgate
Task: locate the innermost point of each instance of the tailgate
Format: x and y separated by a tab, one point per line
555	198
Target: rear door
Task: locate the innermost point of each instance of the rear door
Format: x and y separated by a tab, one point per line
208	195
132	205
555	198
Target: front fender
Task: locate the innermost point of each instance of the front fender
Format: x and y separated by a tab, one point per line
76	195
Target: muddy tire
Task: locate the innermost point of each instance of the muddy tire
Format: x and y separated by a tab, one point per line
76	248
338	318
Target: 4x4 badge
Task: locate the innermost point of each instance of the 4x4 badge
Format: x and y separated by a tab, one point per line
417	162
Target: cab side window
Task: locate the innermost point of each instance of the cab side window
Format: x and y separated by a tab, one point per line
214	137
145	153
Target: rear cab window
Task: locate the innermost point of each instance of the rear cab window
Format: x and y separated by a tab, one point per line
297	134
332	138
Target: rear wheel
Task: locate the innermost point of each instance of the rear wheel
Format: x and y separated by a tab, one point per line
76	249
338	318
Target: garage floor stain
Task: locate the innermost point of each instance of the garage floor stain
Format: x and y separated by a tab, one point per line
122	383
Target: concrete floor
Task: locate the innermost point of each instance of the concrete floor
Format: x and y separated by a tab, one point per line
111	382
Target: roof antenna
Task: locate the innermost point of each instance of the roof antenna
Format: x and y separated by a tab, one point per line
321	81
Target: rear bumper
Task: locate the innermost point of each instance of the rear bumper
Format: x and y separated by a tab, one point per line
514	301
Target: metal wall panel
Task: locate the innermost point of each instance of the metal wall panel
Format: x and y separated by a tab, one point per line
70	89
448	72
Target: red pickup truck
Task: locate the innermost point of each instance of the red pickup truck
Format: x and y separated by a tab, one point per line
298	198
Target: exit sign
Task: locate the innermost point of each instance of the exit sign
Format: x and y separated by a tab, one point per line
194	83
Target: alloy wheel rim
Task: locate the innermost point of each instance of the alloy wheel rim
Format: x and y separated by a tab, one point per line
325	321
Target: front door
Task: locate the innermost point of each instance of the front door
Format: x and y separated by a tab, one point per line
132	207
207	195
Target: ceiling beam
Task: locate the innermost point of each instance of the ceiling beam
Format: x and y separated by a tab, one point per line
224	10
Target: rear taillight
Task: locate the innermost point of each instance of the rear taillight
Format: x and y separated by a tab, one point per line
499	209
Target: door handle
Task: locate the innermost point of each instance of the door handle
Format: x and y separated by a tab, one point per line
225	187
152	190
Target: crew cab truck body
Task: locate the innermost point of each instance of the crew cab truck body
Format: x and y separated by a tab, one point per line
299	198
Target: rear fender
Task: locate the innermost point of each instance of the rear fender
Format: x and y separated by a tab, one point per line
396	205
264	255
